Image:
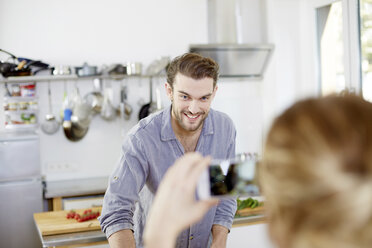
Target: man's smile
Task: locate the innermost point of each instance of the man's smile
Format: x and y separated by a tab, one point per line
192	117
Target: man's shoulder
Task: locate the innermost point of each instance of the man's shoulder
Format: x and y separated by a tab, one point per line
221	117
150	124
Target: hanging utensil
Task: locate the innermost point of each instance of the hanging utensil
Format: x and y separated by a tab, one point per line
125	108
95	99
146	108
50	124
81	111
77	117
108	112
158	98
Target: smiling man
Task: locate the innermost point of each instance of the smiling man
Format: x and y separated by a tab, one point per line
155	143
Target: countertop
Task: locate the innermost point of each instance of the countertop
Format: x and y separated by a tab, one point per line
99	236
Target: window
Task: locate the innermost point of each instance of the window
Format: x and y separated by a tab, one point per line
331	48
365	13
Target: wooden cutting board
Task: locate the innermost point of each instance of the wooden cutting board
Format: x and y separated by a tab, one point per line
251	211
55	222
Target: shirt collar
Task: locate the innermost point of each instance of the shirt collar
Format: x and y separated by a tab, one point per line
167	132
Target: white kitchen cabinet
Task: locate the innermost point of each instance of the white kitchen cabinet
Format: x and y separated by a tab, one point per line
249	236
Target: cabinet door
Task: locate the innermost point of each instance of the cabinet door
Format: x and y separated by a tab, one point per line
19	201
19	159
249	236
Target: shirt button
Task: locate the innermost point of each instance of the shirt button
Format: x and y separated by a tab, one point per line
191	237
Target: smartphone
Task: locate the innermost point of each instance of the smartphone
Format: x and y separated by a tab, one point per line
230	178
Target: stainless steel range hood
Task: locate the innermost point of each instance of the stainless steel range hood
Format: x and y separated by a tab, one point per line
237	60
237	38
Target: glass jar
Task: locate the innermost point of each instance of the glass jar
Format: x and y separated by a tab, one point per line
22	105
13	106
6	106
16	91
32	105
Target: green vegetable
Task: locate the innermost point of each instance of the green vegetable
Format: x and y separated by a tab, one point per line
248	203
254	204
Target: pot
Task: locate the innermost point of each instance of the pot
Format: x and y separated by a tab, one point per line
117	69
86	70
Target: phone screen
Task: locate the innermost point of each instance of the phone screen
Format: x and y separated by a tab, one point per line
233	178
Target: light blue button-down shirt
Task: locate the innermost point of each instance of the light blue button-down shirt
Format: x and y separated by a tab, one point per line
149	149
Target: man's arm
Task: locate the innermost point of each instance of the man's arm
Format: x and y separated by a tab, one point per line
121	239
125	183
219	234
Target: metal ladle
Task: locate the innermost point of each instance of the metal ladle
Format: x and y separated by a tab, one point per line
50	124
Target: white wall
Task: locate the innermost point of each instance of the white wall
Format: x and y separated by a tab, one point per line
292	75
98	32
72	32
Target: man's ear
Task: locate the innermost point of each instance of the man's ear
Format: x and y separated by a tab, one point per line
214	91
169	91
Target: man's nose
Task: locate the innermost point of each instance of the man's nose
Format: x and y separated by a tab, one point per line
194	107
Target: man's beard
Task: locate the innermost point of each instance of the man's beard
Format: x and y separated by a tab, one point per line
180	121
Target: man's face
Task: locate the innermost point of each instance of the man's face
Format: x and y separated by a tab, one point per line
191	100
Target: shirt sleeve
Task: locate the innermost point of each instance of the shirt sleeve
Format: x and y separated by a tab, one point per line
124	185
226	209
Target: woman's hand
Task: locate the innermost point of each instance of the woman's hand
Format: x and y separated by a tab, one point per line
174	207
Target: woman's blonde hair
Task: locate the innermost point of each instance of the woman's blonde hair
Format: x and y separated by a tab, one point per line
316	174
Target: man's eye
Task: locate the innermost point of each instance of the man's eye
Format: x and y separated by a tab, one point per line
184	97
204	98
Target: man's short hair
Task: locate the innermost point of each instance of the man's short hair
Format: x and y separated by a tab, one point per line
193	65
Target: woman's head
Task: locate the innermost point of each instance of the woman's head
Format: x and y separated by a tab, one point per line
317	174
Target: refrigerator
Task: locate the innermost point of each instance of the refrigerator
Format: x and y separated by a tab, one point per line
21	190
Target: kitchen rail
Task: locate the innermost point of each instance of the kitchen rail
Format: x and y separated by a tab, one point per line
51	78
74	77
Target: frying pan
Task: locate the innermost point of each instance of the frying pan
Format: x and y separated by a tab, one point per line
154	69
146	109
23	68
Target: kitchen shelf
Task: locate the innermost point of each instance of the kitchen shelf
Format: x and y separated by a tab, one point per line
20	111
20	126
20	98
46	78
